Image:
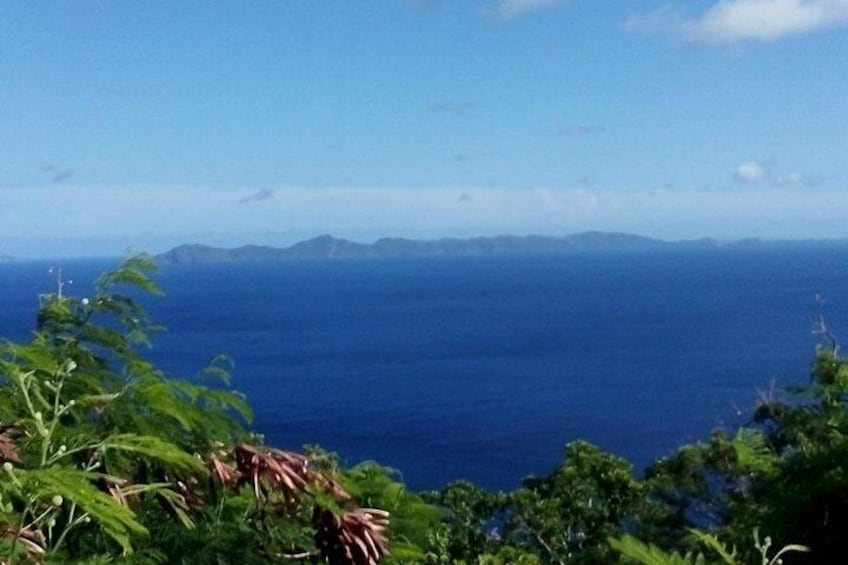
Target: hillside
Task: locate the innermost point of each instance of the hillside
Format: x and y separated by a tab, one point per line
329	247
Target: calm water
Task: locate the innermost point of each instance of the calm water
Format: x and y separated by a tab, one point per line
485	368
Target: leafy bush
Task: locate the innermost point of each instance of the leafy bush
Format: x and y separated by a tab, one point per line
103	455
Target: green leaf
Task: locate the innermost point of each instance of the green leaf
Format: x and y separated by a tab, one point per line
74	485
219	367
35	356
133	272
155	448
753	452
177	504
648	554
709	540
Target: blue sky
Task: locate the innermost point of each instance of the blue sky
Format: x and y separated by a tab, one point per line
146	124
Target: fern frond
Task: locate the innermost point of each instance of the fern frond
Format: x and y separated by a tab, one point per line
157	449
753	451
649	554
76	486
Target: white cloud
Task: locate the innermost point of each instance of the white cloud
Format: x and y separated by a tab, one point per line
507	10
749	172
733	21
766	20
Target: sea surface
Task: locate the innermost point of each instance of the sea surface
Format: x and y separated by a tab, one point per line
484	368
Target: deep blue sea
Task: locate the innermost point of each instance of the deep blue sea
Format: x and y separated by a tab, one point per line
485	368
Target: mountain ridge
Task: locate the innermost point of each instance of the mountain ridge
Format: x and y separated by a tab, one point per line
328	247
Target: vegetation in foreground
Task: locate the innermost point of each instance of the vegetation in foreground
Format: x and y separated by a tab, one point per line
106	459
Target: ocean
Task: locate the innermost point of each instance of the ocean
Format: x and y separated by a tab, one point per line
484	368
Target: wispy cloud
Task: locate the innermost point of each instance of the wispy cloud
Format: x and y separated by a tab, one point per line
258	196
796	179
755	172
508	10
750	172
735	21
766	20
142	215
62	176
57	174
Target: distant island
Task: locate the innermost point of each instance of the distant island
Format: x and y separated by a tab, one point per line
328	247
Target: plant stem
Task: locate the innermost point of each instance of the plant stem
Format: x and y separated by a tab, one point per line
69	527
57	413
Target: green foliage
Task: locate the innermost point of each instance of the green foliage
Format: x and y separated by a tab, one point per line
571	513
785	474
565	517
104	455
76	490
76	458
412	518
153	450
636	551
805	499
753	452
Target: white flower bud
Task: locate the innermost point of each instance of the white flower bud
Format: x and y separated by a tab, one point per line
84	301
57	500
8	467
